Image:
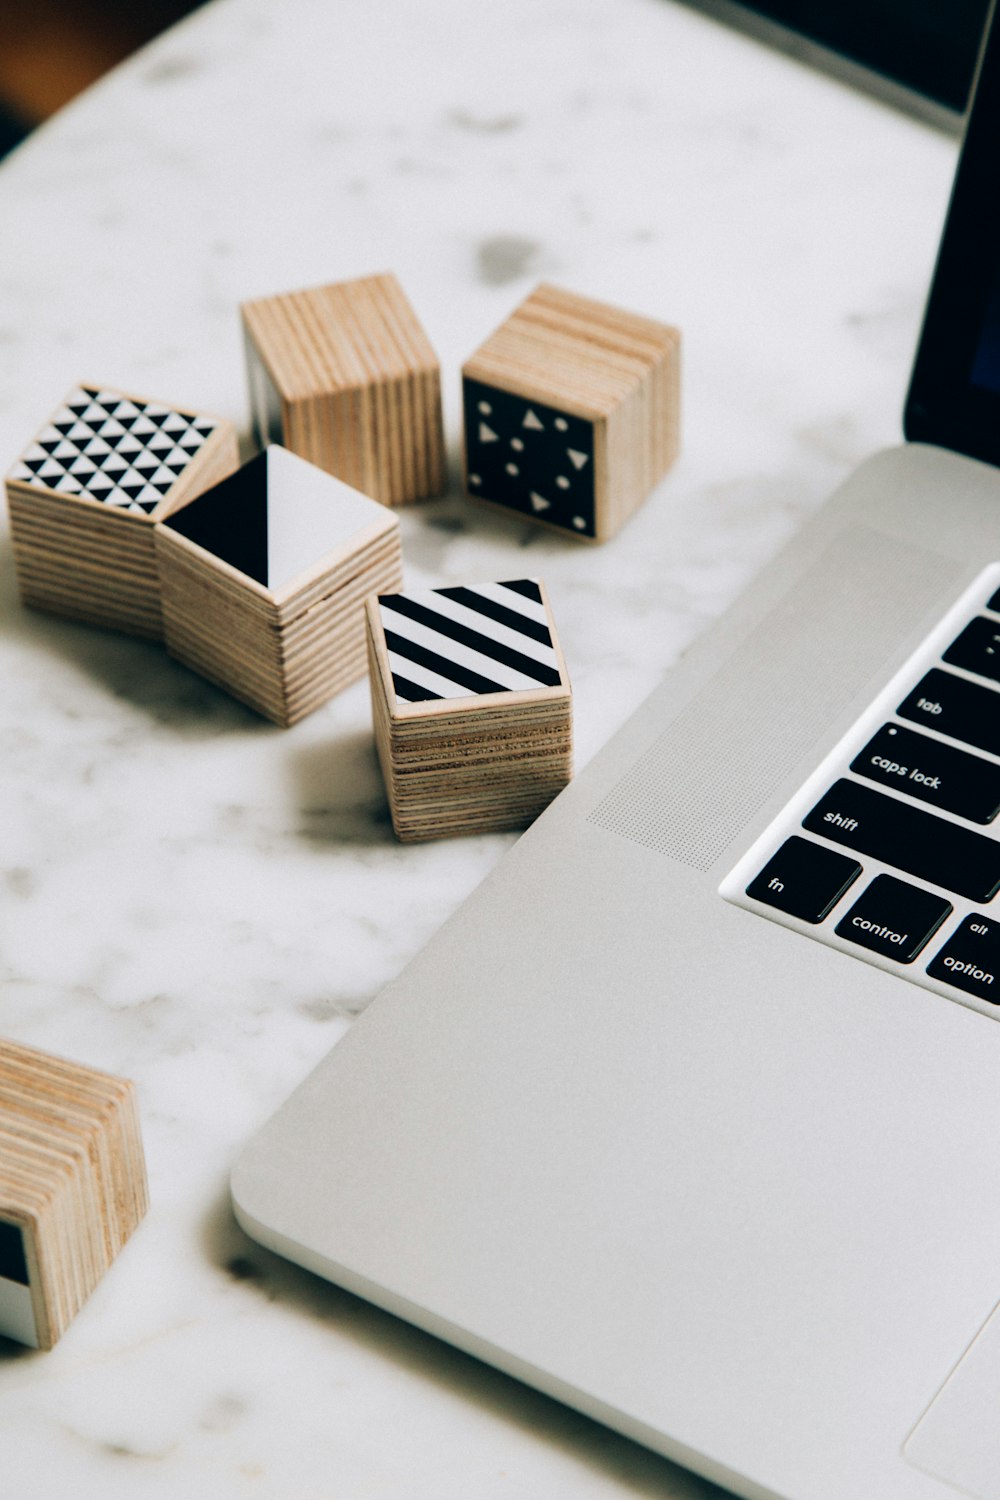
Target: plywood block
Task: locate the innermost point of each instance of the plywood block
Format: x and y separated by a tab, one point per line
571	412
72	1187
472	706
345	376
264	578
86	491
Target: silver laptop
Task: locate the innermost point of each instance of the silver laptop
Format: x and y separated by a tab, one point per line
690	1116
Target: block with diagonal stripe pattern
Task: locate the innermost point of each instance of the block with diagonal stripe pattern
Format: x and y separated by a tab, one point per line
84	494
571	412
472	706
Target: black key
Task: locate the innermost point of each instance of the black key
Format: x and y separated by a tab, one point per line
994	603
894	918
970	959
977	649
921	767
912	840
804	879
957	708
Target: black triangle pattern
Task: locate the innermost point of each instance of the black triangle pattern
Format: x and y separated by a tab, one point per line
231	520
147	463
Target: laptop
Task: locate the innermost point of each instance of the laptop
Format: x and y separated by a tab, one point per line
690	1116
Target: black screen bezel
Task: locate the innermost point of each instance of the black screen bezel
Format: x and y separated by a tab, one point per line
943	406
930	46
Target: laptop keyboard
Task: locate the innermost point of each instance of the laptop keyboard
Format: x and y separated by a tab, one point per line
891	849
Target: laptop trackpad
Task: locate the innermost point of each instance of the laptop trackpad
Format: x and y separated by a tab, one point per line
958	1439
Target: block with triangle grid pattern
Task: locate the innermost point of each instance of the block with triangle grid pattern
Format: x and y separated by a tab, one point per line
72	1187
264	578
472	706
345	376
84	494
571	412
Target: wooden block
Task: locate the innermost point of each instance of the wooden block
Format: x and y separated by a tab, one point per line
571	412
345	376
264	577
72	1187
85	493
472	706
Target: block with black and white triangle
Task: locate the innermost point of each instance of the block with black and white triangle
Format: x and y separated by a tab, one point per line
85	491
264	578
571	412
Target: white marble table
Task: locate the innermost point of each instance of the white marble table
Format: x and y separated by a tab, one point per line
201	901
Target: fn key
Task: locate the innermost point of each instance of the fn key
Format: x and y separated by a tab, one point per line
804	879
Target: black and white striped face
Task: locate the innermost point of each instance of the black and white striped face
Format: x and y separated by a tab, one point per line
103	446
464	642
529	456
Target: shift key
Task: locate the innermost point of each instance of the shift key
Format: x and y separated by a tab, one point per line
945	854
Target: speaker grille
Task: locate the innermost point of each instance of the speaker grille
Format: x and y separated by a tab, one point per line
699	785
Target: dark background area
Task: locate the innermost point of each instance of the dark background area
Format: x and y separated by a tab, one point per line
927	45
52	49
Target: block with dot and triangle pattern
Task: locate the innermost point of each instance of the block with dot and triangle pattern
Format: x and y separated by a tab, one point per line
85	491
571	412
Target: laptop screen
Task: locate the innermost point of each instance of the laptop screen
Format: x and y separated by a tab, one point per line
927	45
954	397
986	361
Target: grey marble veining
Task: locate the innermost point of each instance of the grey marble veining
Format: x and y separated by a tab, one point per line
196	899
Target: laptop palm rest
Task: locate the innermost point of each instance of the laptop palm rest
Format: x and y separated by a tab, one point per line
699	1176
958	1440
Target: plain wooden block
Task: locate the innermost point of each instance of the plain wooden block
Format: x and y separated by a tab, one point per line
85	494
263	580
472	706
72	1187
345	376
571	412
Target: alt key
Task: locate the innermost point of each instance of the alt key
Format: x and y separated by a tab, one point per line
970	960
804	879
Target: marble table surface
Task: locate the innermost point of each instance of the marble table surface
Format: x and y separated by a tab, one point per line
203	902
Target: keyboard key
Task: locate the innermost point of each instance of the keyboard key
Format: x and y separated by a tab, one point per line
894	918
921	767
804	879
970	959
960	709
907	838
977	649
